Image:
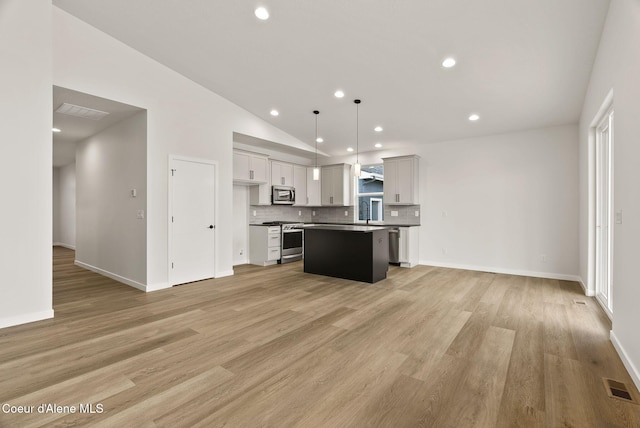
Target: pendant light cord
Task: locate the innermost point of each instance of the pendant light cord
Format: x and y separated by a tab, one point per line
357	103
316	112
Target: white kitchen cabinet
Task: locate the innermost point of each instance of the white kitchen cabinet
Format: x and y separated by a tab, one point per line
335	185
249	168
401	179
264	245
314	196
409	247
260	195
281	174
300	184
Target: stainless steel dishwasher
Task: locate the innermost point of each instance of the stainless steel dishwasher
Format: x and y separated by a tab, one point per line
394	245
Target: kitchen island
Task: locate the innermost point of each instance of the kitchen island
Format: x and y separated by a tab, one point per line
356	252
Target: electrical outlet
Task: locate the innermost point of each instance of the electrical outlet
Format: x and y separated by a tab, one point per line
313	213
394	213
140	214
254	213
417	213
300	212
346	213
619	217
241	252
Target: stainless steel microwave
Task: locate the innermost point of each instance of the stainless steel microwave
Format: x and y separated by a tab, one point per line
283	195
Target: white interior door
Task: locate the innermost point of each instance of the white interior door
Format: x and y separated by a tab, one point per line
604	211
192	221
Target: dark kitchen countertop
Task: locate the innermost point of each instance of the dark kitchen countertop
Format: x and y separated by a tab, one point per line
380	224
345	227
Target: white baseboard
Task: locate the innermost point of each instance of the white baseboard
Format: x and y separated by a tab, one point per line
156	287
26	318
60	244
547	275
224	273
587	292
113	276
631	368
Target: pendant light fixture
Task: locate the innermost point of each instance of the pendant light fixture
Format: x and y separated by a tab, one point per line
316	170
357	167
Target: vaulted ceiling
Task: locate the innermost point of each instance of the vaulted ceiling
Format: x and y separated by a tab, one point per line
520	64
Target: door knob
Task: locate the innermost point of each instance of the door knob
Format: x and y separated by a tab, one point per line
210	226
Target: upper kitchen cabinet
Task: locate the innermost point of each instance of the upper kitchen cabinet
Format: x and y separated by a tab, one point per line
314	196
300	184
249	168
281	174
335	185
401	180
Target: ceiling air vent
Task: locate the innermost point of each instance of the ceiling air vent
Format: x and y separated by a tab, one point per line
78	111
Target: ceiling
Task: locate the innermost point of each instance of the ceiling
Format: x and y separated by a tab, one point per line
520	64
74	129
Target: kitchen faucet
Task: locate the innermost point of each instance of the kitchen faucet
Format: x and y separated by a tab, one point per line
367	209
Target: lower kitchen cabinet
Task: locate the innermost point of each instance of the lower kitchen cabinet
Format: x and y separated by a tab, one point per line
409	246
264	245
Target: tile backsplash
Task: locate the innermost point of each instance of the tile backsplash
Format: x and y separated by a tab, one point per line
278	212
405	214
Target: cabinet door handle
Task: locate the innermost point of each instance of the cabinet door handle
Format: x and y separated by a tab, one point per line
250	175
307	200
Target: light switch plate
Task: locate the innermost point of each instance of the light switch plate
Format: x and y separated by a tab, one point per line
346	213
417	213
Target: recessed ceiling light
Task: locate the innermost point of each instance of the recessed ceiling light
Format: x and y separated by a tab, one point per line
338	94
349	149
55	130
378	129
319	140
378	145
474	117
262	13
448	62
274	112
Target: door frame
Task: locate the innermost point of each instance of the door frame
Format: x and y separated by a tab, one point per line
171	166
592	251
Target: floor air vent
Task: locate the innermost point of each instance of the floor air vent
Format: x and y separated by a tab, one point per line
579	302
618	390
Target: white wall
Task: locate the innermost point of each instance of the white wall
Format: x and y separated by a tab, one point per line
25	177
617	67
110	237
64	206
240	224
183	119
507	200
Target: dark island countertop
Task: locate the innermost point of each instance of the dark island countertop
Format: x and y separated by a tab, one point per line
345	227
372	224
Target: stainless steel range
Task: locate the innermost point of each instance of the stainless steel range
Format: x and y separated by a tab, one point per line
291	240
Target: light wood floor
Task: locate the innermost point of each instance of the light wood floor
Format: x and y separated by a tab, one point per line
427	347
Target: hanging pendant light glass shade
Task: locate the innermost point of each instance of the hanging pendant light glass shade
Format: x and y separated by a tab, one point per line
357	167
316	170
